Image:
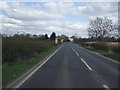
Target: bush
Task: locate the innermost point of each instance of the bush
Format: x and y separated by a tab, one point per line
21	48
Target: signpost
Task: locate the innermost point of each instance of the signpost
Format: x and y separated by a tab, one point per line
62	40
56	40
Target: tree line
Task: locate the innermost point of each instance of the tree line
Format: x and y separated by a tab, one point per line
19	47
40	36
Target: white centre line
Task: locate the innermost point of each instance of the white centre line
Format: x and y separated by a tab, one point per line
106	87
77	53
86	64
73	49
98	54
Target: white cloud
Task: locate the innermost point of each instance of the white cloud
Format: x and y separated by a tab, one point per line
88	0
59	7
22	12
61	0
44	18
114	19
98	9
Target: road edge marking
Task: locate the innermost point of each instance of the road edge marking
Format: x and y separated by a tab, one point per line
86	64
17	86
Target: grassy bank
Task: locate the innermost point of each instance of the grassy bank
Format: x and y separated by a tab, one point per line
12	70
110	50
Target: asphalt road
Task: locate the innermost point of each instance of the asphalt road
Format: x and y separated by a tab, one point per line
75	67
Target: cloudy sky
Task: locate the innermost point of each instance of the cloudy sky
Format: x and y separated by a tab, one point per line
67	18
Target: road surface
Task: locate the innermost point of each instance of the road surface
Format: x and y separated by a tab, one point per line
75	67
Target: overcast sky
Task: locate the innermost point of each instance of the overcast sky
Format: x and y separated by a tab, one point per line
67	18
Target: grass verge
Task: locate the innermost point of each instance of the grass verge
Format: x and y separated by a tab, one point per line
12	70
104	53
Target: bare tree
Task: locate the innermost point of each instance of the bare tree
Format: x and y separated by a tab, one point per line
100	28
116	32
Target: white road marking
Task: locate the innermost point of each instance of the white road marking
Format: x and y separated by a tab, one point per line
36	69
77	53
106	87
86	64
99	54
83	60
73	49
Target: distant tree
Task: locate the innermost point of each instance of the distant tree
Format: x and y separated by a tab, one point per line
72	37
100	28
28	35
53	36
64	37
35	36
42	37
116	32
16	35
46	36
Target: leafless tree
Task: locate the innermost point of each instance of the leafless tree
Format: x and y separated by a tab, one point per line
100	28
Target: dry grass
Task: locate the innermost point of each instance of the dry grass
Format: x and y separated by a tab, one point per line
113	44
108	49
109	44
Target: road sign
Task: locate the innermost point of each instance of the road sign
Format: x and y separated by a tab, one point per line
56	40
62	40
